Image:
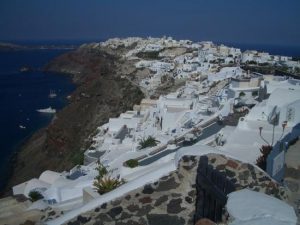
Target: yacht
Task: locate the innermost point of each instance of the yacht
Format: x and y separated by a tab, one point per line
47	110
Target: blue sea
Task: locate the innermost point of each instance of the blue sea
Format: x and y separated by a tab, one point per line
21	94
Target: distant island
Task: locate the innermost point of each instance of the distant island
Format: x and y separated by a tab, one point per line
11	47
16	47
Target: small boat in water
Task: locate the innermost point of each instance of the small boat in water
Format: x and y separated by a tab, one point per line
47	110
22	127
25	69
52	94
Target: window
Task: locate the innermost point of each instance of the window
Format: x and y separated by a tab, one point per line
51	201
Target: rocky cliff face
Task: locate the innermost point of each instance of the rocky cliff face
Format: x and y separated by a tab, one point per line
101	94
172	199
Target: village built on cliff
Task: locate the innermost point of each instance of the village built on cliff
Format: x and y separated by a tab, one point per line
215	87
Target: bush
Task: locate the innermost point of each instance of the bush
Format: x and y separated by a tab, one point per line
263	64
148	142
78	158
148	55
132	163
102	171
35	195
261	161
107	184
104	182
242	94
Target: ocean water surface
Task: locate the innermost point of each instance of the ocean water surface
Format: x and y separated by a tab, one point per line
21	94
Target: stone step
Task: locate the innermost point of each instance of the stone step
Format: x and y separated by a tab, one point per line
10	206
32	215
7	201
7	206
12	210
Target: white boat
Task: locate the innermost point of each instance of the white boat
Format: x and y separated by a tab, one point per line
47	110
22	127
52	94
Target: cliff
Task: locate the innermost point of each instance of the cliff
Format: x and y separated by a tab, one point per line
101	94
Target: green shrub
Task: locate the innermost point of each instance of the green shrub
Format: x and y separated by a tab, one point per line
107	184
78	158
261	161
132	163
242	94
35	195
148	142
102	171
148	55
104	182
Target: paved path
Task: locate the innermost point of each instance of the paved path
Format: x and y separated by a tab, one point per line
206	132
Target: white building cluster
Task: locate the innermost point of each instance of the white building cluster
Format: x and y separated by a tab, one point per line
185	117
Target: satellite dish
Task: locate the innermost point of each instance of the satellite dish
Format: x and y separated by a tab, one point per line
273	117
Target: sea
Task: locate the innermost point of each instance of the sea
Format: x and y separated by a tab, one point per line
22	93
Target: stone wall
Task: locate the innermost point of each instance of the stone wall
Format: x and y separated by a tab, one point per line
218	176
245	175
171	200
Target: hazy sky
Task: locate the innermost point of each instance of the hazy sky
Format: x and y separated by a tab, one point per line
235	21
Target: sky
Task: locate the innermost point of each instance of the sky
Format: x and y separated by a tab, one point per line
273	22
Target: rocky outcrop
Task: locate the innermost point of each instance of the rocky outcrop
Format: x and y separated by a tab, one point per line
100	95
172	199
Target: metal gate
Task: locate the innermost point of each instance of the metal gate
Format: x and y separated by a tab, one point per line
212	189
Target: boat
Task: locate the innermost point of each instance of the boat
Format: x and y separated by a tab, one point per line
25	69
22	127
52	94
47	110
